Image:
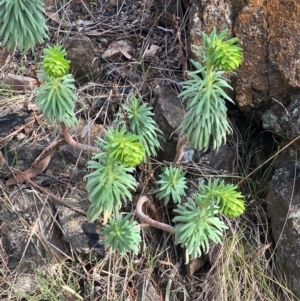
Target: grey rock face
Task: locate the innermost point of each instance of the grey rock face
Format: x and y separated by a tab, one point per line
77	231
168	112
283	204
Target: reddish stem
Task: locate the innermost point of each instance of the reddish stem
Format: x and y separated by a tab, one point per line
76	144
146	219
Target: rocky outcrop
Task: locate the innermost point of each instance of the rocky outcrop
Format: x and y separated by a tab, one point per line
268	79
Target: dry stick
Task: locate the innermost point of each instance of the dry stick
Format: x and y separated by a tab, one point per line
4	55
179	150
53	196
88	11
20	129
181	48
47	151
72	142
146	219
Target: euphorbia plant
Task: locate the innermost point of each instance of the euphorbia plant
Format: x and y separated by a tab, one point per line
206	118
56	96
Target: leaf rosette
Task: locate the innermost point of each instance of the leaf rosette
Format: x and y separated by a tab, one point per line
225	55
122	234
54	62
226	196
171	185
197	225
142	125
108	184
124	147
206	117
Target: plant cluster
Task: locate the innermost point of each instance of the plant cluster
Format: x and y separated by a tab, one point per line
111	181
135	136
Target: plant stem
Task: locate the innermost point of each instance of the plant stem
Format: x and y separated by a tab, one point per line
146	219
179	149
72	142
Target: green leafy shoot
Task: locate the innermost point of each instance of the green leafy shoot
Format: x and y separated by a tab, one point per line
206	118
225	55
54	63
56	99
22	22
197	225
142	124
171	185
124	148
108	184
226	196
122	234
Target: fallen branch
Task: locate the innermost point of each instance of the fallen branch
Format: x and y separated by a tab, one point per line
54	197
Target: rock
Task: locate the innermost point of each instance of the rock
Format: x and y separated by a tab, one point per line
26	283
169	112
84	65
283	205
9	121
77	231
268	80
284	121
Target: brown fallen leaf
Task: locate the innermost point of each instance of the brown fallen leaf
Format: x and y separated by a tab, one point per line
116	48
56	18
260	251
33	171
151	51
